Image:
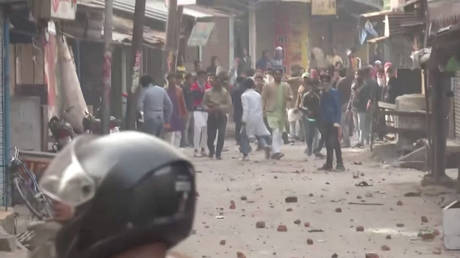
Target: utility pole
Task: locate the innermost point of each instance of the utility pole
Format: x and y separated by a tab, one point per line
105	119
138	38
172	36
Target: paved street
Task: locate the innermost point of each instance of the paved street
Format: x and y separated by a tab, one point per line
327	218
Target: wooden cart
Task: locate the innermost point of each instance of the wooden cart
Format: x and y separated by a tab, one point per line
389	112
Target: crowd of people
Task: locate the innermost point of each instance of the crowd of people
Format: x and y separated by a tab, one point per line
331	106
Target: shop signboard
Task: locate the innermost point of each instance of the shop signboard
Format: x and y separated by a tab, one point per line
200	34
323	7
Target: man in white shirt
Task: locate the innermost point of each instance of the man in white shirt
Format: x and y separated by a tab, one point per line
253	120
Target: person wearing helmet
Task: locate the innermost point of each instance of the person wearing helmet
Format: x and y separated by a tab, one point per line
132	195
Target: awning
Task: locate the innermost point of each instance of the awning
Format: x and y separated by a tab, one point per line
396	23
156	10
122	28
444	12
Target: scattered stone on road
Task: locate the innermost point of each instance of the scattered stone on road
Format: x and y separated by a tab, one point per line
424	219
437	251
291	199
385	248
260	224
282	228
427	234
259	206
240	255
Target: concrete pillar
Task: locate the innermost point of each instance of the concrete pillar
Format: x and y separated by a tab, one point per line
3	162
253	35
231	39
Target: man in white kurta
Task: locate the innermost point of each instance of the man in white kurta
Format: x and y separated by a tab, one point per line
253	121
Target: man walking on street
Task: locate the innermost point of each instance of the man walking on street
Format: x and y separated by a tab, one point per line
360	99
310	107
177	121
155	105
218	103
237	91
253	125
186	89
331	111
344	88
372	103
200	116
260	82
275	97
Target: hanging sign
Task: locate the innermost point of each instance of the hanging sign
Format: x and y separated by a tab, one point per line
200	34
323	7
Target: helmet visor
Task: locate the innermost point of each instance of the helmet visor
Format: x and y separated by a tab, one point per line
65	180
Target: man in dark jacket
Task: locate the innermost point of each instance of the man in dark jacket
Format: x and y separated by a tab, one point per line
344	88
393	86
186	88
331	112
310	107
237	91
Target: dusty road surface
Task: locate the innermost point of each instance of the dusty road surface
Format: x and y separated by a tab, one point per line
327	214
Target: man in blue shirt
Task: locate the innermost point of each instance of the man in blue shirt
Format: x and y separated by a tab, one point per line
156	106
330	112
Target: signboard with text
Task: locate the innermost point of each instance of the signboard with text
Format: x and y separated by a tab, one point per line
323	7
200	34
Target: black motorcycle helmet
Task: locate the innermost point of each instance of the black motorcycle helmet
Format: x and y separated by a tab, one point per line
128	189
